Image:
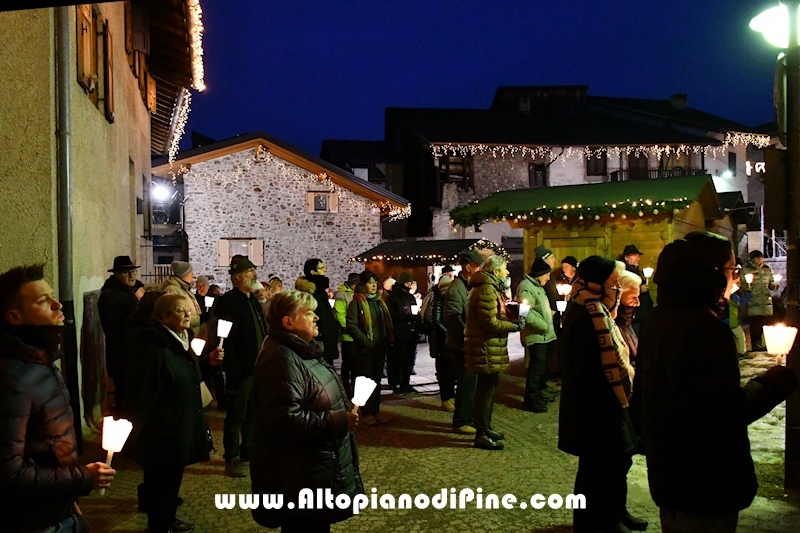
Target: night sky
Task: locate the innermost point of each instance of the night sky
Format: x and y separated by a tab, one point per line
306	71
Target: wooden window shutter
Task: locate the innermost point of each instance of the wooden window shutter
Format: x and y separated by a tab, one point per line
222	253
108	73
310	202
87	47
256	252
333	202
140	28
128	27
151	93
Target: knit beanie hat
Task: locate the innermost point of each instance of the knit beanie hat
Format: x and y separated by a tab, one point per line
404	278
203	279
366	276
539	268
595	269
542	252
570	260
180	268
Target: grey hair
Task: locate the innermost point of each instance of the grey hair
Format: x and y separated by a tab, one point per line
493	262
628	279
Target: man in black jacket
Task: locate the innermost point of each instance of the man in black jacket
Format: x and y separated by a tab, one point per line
241	349
631	256
117	302
315	282
40	475
406	334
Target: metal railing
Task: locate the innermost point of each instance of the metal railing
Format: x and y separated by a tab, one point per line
634	174
159	275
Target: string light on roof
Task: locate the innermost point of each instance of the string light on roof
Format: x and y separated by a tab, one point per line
182	116
196	43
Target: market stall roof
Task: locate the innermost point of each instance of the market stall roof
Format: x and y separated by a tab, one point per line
593	200
433	252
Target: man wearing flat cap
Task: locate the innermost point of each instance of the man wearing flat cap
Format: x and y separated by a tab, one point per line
117	302
242	345
631	256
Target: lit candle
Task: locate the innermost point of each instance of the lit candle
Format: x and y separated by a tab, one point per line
223	329
331	302
780	339
209	302
561	305
414	309
777	278
362	391
648	272
197	346
115	433
563	288
748	278
524	308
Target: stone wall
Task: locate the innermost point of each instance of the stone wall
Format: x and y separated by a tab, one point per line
268	203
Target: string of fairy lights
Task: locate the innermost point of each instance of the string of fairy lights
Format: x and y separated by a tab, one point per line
215	177
550	154
435	259
461	216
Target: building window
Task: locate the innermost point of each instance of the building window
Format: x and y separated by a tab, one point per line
452	169
253	249
732	163
322	202
537	175
597	166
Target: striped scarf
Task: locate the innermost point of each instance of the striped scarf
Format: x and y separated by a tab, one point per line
613	355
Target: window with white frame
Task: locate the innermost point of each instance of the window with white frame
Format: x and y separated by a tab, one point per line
253	249
322	202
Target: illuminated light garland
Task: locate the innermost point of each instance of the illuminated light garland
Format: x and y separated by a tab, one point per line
181	118
547	152
287	171
196	38
436	259
623	208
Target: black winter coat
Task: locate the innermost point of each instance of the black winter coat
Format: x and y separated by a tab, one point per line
163	398
328	325
241	346
645	300
591	420
301	437
116	303
39	475
438	336
406	324
695	412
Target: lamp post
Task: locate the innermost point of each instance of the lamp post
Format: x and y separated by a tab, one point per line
780	26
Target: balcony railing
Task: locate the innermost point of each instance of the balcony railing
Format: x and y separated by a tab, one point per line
647	174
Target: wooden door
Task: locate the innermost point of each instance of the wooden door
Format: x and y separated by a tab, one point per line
578	247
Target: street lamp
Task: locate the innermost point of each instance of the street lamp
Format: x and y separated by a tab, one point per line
780	27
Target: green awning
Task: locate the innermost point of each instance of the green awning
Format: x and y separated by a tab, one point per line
590	200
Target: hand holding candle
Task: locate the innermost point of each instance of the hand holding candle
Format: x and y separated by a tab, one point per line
648	272
524	308
748	278
223	330
115	433
780	340
209	302
363	390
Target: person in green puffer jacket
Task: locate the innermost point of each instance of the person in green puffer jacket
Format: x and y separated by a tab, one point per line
344	295
485	344
538	335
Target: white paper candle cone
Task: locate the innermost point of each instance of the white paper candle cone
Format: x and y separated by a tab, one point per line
748	278
363	390
224	328
414	309
331	302
209	302
197	346
561	305
524	309
115	433
780	338
777	278
648	272
563	289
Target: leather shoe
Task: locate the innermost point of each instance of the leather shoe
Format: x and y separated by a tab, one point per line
485	443
181	526
494	435
632	522
538	407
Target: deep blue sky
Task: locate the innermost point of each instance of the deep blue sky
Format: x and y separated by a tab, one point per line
305	71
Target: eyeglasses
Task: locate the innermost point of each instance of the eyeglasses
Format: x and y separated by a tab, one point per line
735	271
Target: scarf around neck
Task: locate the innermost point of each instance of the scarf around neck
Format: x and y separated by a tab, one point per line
183	338
613	355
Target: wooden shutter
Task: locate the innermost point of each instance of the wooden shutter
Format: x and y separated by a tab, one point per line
108	73
333	202
151	93
87	47
128	27
255	251
222	253
140	28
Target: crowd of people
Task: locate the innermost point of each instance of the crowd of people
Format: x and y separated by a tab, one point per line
659	380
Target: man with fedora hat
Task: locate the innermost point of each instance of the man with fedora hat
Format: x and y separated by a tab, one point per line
242	345
631	256
117	302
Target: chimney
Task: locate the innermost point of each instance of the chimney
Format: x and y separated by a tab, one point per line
678	101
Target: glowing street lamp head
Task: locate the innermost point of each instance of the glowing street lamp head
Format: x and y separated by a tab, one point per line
774	24
160	193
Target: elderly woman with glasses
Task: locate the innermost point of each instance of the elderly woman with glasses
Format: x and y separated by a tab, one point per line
165	407
302	437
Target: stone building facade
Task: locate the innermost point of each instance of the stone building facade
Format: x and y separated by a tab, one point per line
262	198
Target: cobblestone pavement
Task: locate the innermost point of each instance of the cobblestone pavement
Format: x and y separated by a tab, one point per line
418	453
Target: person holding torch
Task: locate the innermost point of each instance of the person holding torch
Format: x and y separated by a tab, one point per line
303	421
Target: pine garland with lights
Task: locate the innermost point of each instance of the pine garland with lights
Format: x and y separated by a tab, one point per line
544	214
